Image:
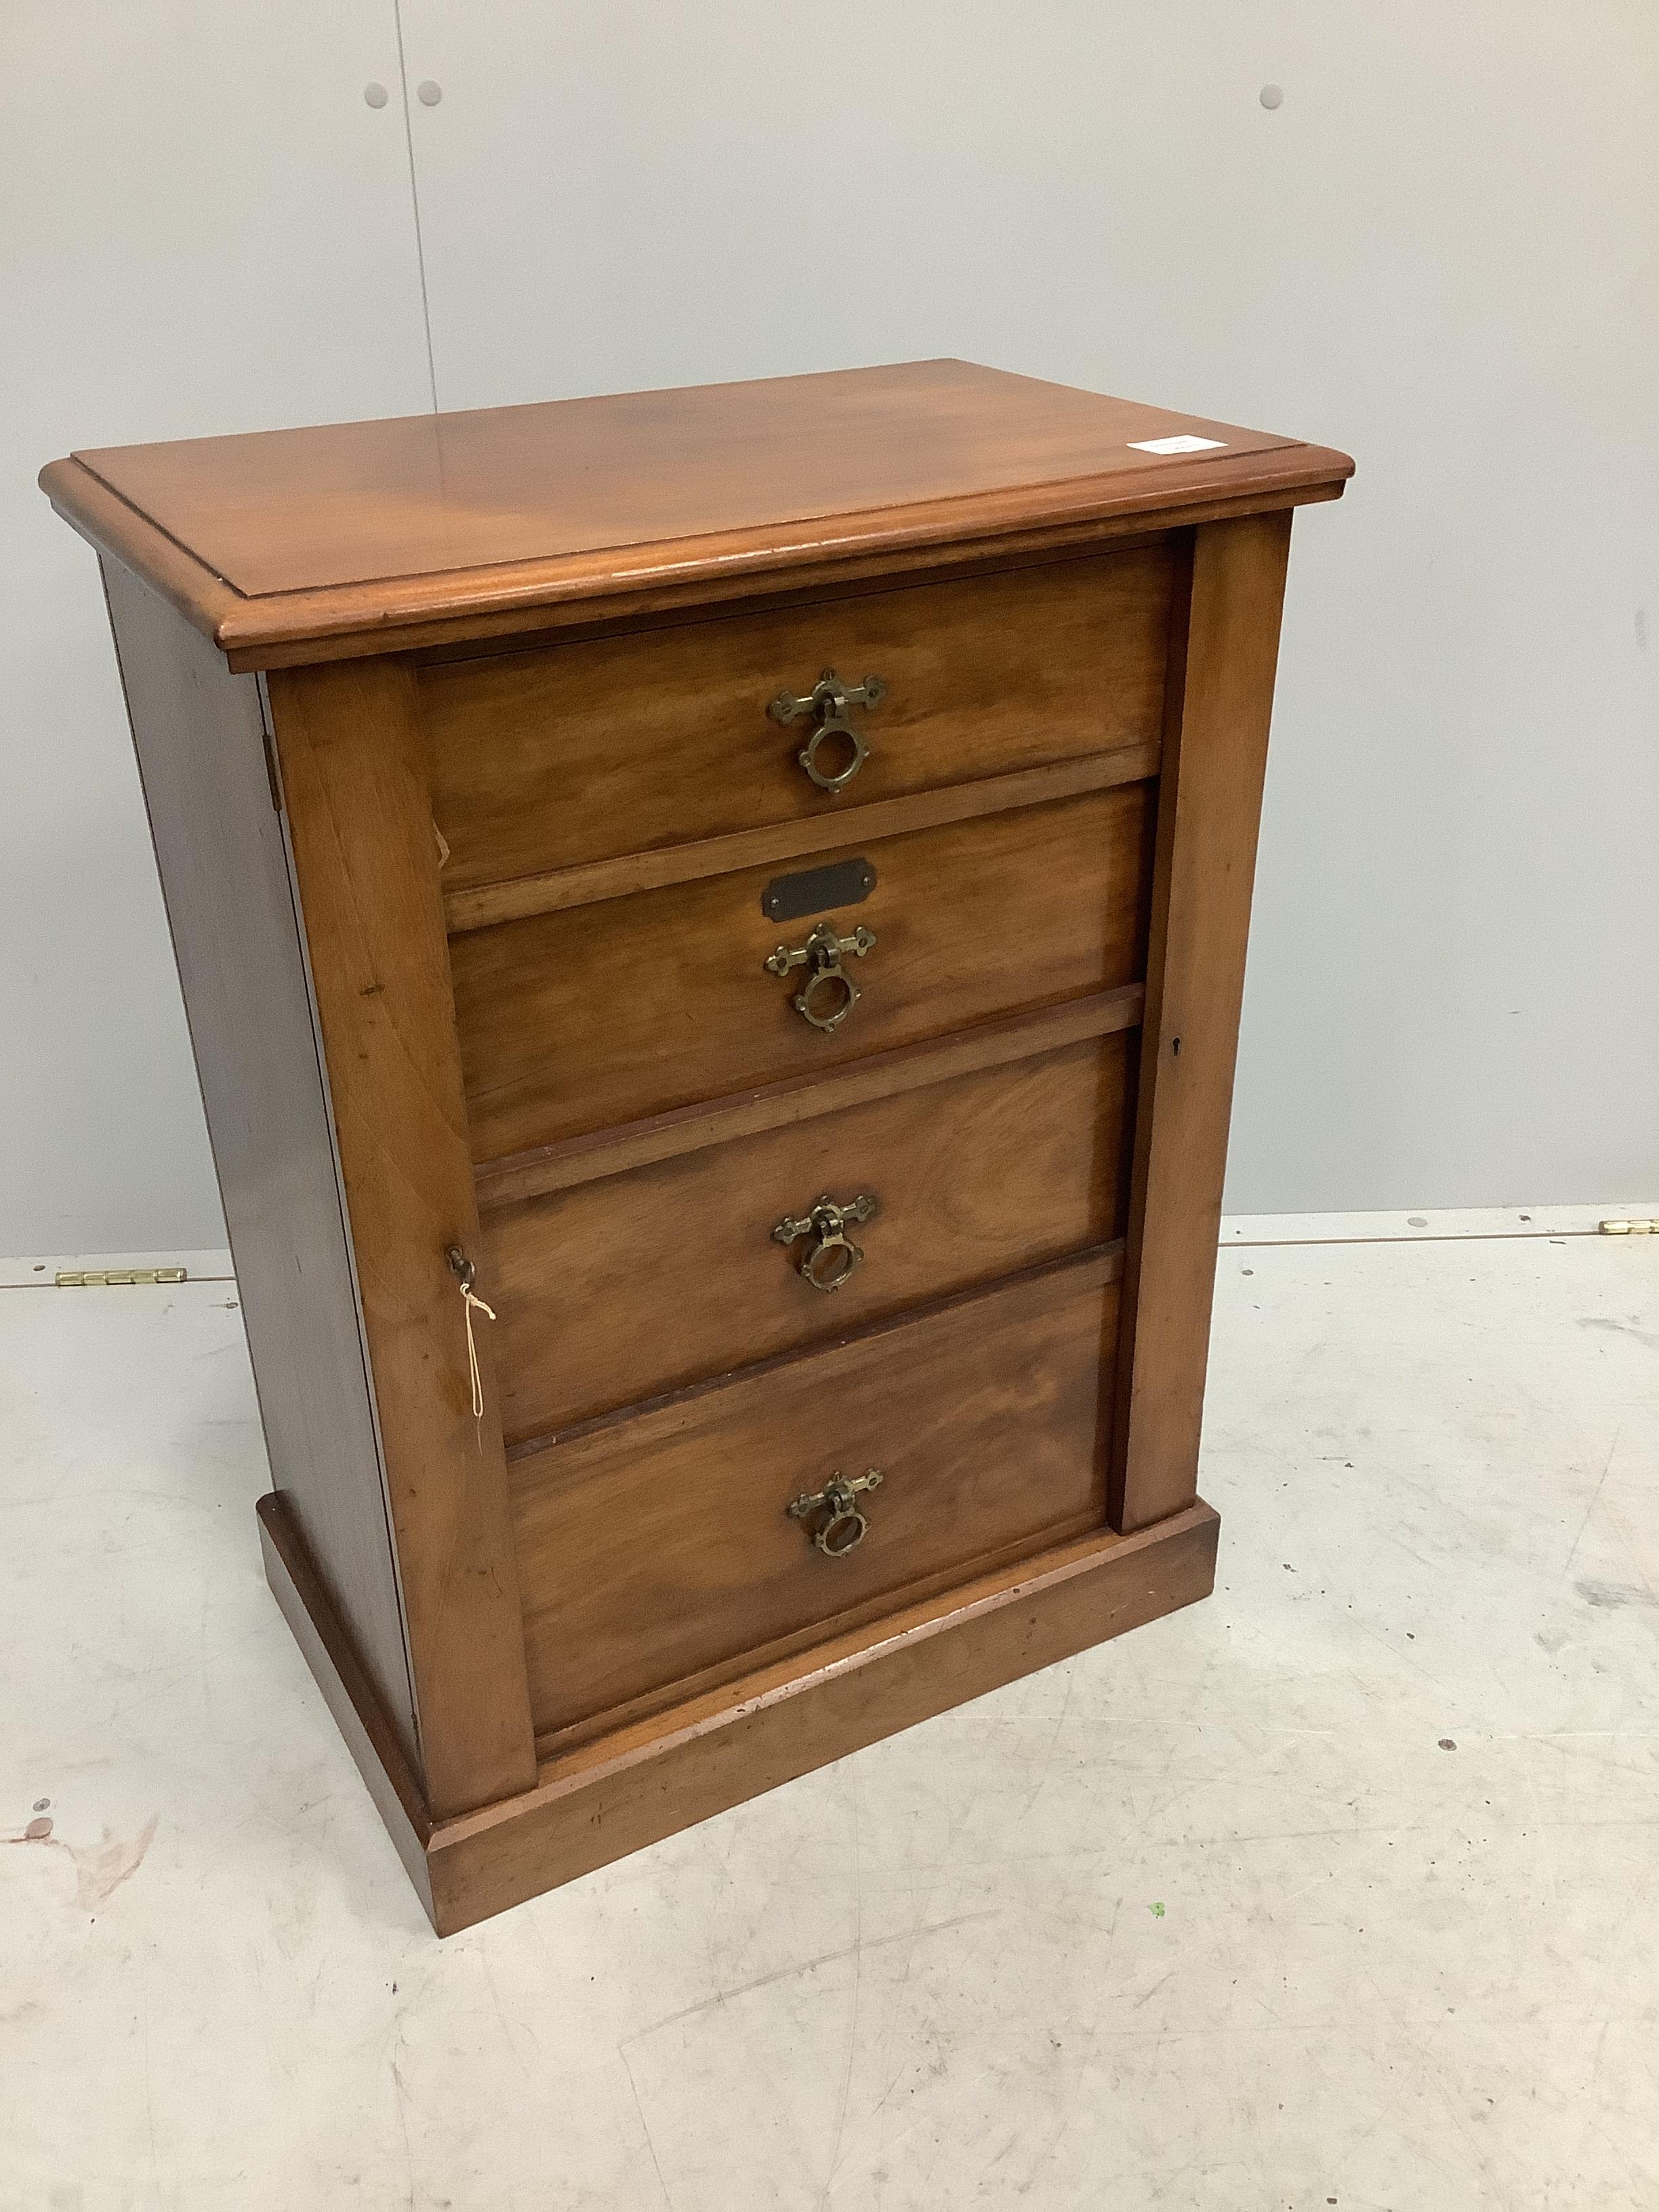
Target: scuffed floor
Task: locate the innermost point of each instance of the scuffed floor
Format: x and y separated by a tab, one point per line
1339	1889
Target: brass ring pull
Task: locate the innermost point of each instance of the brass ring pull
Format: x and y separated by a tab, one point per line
829	699
843	1534
843	1527
829	994
836	725
830	1256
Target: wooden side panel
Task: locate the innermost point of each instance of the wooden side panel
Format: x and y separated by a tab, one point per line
600	1014
224	874
366	863
656	1547
620	1289
626	745
1215	752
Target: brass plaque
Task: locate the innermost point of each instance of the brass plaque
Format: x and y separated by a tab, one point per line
816	890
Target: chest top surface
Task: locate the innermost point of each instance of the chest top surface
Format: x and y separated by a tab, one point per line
285	536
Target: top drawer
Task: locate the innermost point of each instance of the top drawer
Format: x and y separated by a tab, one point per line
579	752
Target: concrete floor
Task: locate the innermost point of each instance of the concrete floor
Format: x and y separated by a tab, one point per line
1337	1890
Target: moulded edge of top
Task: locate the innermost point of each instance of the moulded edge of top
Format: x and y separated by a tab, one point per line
400	612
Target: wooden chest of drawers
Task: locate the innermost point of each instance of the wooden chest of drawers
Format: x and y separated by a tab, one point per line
713	925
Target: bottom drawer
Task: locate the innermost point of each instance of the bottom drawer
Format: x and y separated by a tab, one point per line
659	1547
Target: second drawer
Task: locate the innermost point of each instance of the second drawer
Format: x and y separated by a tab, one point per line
618	1289
597	1015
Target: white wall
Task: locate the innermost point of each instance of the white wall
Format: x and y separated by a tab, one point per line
1438	252
202	229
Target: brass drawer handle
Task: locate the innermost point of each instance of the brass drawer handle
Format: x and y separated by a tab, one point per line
830	700
843	1527
830	1256
829	994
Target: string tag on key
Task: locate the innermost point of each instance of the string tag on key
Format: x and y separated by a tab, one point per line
466	1274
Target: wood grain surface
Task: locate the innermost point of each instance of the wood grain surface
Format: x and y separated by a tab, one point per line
642	1283
660	738
805	1097
1215	755
653	1547
623	1792
219	846
370	536
608	1796
470	922
779	844
366	867
299	510
605	1014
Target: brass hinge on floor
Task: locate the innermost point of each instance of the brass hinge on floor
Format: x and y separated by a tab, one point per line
1629	1228
98	1279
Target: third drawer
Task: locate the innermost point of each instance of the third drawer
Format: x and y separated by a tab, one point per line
619	1289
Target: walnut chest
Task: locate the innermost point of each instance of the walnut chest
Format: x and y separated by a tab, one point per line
712	925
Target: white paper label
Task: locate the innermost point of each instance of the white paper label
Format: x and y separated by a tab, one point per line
1185	444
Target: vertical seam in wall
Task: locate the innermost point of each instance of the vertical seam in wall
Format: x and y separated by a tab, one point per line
414	204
